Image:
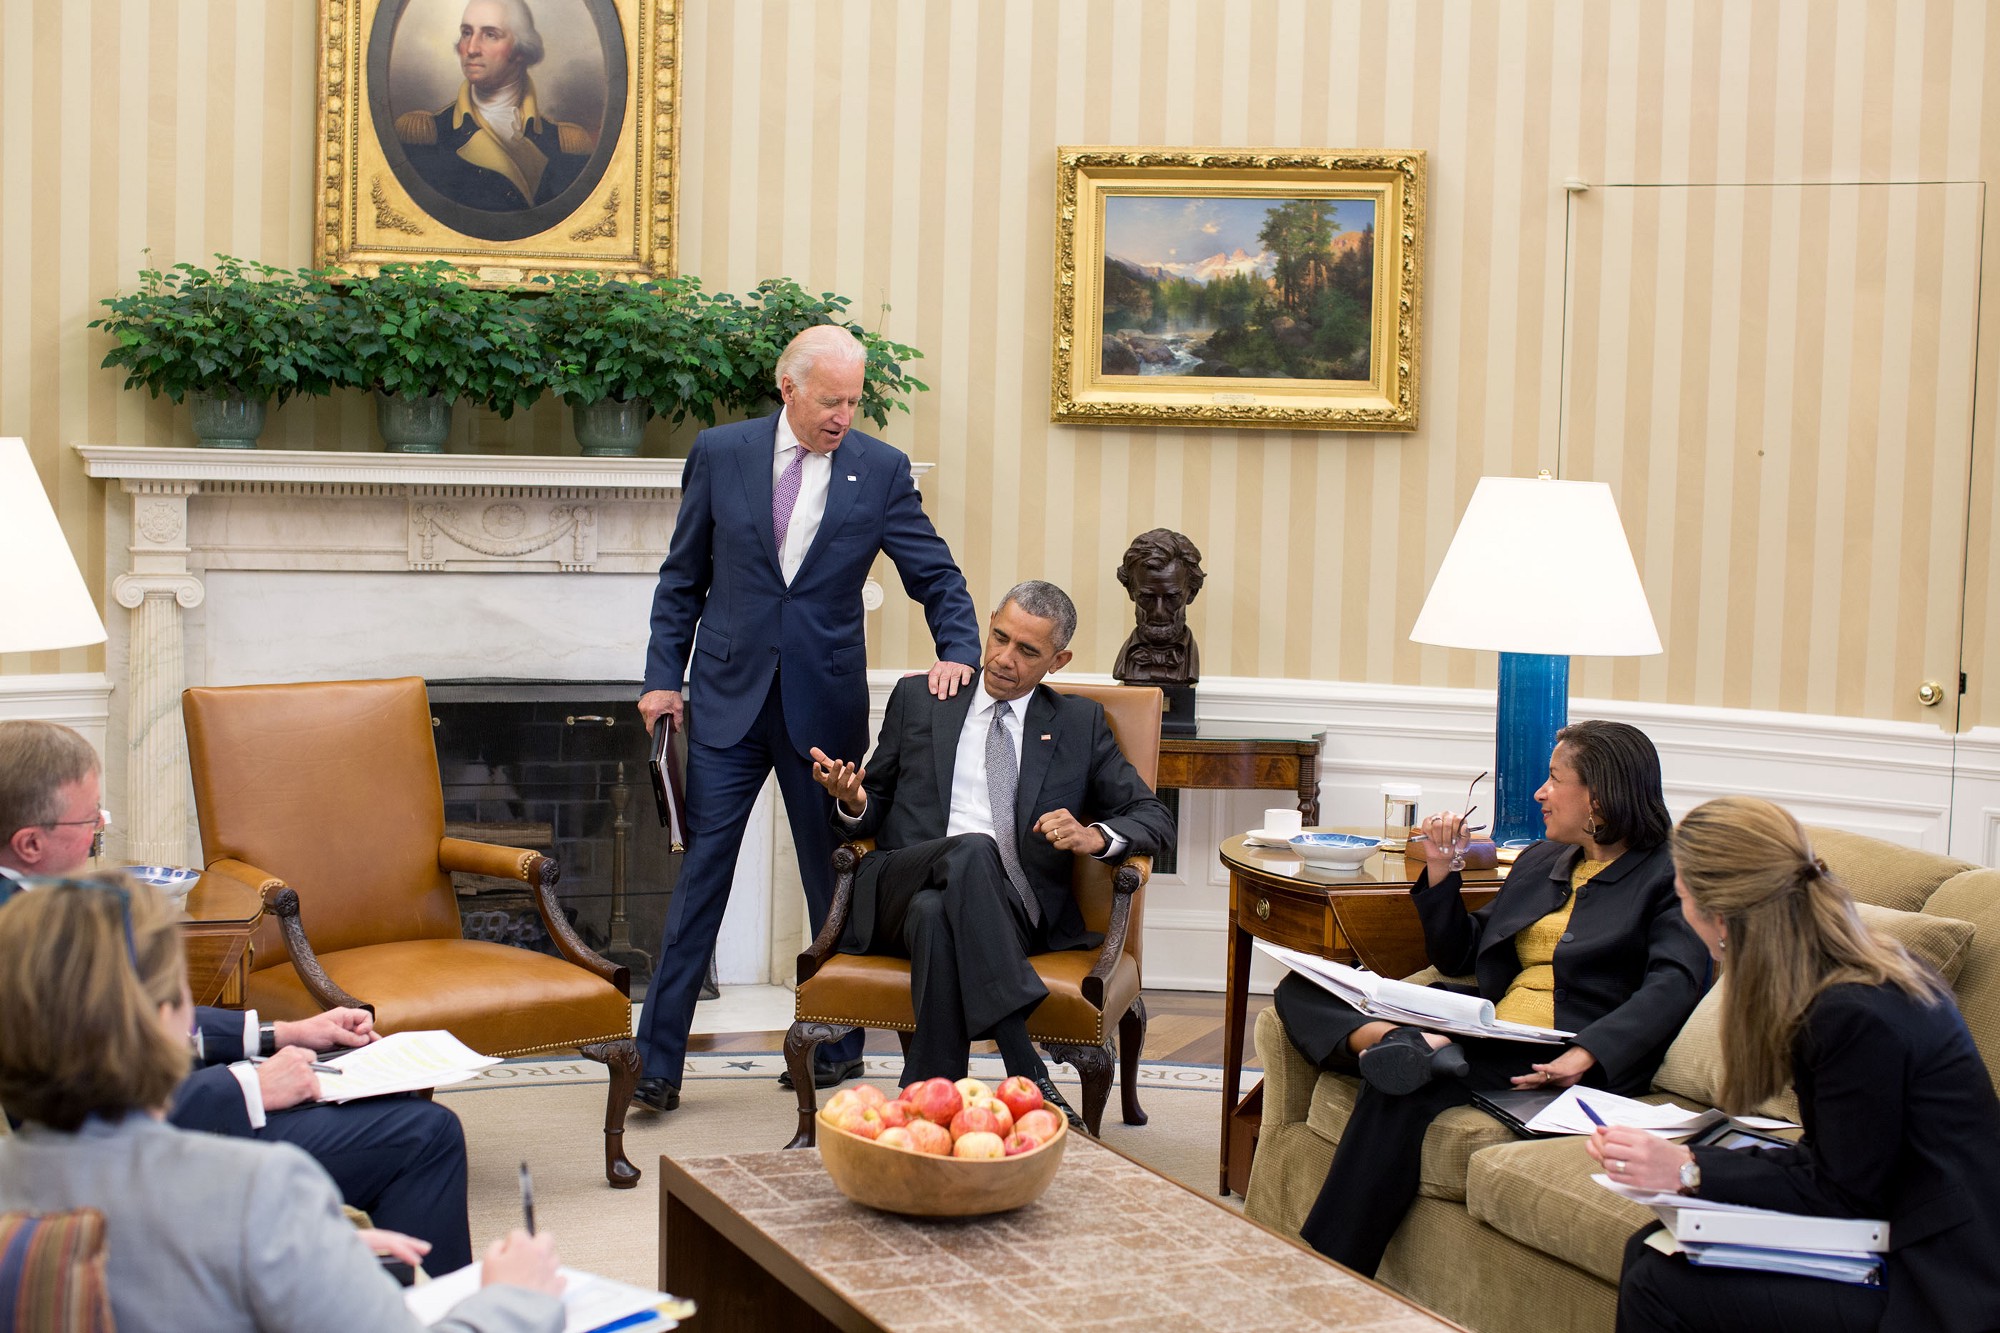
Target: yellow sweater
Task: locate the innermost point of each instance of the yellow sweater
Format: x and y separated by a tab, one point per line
1531	996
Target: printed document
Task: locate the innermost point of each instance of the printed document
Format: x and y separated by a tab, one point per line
590	1302
1402	1002
404	1062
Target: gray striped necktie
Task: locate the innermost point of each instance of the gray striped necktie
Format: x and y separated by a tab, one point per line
1002	776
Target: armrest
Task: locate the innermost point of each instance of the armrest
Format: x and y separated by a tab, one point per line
1131	876
846	857
541	873
282	901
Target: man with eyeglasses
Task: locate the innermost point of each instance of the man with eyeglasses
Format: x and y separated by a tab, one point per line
401	1160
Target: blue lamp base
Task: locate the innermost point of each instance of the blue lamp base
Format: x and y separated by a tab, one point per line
1534	706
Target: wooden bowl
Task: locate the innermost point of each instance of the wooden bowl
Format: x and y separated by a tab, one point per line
922	1185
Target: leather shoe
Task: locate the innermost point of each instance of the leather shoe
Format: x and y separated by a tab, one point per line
1403	1061
829	1074
656	1094
1052	1098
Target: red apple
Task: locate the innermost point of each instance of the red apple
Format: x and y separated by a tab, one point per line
860	1121
926	1137
1021	1096
979	1144
870	1096
898	1112
1000	1113
1018	1143
897	1137
1043	1124
937	1100
837	1104
975	1120
968	1088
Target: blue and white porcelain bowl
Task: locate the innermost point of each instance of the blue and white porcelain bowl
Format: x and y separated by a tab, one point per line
1339	851
173	882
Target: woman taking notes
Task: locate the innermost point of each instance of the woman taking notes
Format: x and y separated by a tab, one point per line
1901	1122
201	1232
1585	936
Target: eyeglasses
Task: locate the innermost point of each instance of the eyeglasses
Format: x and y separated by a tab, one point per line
10	886
101	821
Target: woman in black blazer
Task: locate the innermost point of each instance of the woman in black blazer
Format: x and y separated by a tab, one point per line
1901	1122
1585	936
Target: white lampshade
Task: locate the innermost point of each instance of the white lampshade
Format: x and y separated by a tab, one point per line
43	600
1539	566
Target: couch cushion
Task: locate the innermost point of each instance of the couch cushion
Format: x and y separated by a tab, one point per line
1539	1192
1884	873
1975	897
1448	1146
1693	1067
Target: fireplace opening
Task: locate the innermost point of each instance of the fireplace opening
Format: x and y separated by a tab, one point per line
558	767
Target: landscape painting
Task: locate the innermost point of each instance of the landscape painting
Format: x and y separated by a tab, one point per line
1238	287
1280	288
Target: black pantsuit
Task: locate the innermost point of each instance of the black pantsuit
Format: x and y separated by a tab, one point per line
1665	1292
946	905
1628	973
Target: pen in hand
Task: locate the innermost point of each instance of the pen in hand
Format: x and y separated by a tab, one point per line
318	1067
1595	1118
527	1198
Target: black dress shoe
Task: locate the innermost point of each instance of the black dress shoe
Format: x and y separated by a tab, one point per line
656	1094
1054	1100
1403	1061
829	1073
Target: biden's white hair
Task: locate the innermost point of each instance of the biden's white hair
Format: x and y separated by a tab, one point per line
821	343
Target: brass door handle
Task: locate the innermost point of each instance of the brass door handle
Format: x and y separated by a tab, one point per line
1263	909
590	717
1930	694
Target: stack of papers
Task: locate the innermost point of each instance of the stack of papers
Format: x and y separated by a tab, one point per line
591	1303
1566	1115
405	1062
1728	1235
1400	1002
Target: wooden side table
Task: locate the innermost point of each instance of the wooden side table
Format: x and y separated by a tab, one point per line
1364	917
1214	759
222	912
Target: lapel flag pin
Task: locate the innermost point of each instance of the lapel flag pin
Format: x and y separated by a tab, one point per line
1047	737
852	477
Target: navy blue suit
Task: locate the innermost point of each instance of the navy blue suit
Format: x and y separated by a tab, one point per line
401	1160
775	671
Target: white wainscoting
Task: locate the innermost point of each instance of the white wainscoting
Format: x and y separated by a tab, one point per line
1894	781
81	700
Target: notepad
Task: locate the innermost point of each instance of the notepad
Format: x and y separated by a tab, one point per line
591	1303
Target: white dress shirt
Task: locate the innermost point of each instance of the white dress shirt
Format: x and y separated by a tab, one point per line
814	479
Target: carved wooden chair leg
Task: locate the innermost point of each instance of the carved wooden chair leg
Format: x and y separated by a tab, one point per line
800	1043
1131	1042
622	1057
1093	1067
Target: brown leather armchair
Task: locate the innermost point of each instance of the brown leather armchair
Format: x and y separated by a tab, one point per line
1088	992
326	796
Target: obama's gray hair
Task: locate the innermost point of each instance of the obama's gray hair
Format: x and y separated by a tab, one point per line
1045	601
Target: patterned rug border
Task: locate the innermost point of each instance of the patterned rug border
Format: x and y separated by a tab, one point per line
769	1064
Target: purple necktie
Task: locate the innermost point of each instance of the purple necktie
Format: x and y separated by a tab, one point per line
785	495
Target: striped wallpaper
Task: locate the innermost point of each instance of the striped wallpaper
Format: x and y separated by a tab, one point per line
902	152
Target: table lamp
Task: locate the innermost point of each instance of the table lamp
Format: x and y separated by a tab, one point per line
43	600
1540	571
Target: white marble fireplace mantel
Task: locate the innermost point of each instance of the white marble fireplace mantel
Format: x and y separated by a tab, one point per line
239	566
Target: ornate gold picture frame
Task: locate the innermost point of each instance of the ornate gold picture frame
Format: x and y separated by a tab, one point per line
1238	288
510	137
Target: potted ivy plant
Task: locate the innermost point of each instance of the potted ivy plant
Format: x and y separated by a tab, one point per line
230	339
619	353
750	335
420	337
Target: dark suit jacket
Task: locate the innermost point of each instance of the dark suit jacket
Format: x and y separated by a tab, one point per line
1901	1123
1628	972
210	1098
722	570
1069	761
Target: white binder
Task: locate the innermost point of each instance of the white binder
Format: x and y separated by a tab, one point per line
1777	1231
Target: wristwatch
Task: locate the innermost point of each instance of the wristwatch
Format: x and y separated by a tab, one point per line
267	1039
1690	1176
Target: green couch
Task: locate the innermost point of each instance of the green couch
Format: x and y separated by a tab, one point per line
1512	1236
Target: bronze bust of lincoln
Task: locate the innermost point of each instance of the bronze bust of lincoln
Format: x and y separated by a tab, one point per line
1162	573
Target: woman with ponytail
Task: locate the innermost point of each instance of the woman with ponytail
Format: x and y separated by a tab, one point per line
1901	1121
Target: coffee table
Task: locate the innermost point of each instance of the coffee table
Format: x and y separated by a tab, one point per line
764	1240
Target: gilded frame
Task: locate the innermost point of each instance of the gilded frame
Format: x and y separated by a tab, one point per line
616	215
1385	398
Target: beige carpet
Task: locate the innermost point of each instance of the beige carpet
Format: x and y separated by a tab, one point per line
550	1113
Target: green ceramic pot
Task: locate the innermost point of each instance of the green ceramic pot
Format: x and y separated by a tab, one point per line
609	428
413	425
226	423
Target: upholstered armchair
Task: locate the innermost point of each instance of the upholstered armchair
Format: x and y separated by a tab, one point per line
1089	993
326	796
